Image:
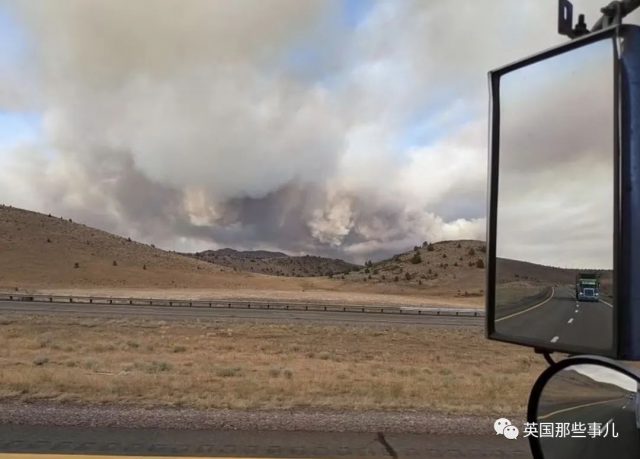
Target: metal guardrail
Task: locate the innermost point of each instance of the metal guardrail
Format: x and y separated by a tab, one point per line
228	304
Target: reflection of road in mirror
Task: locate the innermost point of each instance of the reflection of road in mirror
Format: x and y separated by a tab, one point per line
540	303
584	395
555	202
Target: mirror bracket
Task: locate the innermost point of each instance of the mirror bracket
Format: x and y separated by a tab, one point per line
546	354
612	14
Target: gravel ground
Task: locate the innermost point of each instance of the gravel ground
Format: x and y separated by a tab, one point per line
295	420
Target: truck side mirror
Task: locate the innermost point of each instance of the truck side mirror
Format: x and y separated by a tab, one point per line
563	233
596	404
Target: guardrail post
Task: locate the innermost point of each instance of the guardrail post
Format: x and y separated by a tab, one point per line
344	309
249	305
130	301
286	307
325	308
419	312
10	297
229	305
362	309
190	303
306	308
70	300
90	300
50	300
210	304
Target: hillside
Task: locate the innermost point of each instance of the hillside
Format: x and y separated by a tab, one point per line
38	250
275	263
447	267
43	252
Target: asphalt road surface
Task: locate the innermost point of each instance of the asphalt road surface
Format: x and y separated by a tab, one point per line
138	442
560	319
618	414
185	313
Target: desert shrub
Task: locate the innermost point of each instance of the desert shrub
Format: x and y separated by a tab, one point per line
416	258
459	245
407	276
471	252
76	265
115	263
480	263
483	249
430	248
274	372
40	360
49	240
444	255
145	267
396	279
177	349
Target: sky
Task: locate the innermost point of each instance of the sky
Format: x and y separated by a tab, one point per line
352	129
556	178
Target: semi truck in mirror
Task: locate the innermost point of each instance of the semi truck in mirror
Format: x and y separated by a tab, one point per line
587	287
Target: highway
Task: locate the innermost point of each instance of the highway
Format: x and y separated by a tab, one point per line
190	443
277	315
618	413
560	319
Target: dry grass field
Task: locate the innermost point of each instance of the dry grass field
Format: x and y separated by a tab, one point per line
261	366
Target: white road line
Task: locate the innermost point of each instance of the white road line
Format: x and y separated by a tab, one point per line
553	291
608	304
554	339
570	321
564	410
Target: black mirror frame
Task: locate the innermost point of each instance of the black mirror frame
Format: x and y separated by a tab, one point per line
550	372
626	224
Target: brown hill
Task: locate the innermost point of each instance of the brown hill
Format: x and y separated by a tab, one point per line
44	252
275	263
447	267
41	251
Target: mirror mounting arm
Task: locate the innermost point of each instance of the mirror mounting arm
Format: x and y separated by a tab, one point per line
546	354
612	14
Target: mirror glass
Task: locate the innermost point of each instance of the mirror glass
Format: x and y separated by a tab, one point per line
594	412
554	239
